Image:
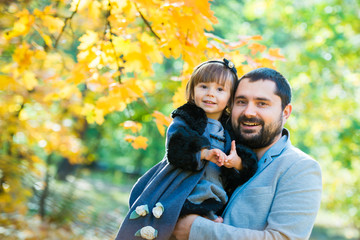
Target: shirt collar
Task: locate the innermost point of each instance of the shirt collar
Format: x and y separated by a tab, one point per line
276	149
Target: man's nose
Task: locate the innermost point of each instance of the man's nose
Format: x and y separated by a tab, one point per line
250	110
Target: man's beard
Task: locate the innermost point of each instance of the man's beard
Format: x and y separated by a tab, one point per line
264	138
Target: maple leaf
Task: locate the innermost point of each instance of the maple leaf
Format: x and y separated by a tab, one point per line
22	26
276	53
265	62
23	56
87	40
161	121
137	142
179	96
46	38
256	37
78	75
242	69
133	126
29	80
111	103
54	24
256	47
94	10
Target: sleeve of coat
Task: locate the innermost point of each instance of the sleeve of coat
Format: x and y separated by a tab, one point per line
184	146
291	216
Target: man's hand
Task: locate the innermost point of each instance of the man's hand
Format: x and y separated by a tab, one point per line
233	160
183	226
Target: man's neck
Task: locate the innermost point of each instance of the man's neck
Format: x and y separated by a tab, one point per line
261	151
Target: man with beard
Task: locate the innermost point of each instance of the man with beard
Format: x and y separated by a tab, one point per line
283	197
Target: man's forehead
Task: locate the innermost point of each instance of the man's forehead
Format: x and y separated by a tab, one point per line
259	88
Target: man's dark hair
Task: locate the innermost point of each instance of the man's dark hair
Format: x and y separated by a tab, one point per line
283	89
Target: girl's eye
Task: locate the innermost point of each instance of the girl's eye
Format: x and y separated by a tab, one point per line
203	86
220	89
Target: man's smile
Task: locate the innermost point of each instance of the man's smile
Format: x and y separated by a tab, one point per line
250	124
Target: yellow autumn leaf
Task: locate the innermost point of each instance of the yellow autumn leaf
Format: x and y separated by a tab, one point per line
134	88
88	40
242	69
99	116
7	82
204	8
265	62
94	10
161	121
129	90
88	111
171	48
80	4
256	37
68	91
150	48
22	26
256	47
179	97
137	142
23	56
132	125
46	38
23	115
54	24
78	74
148	85
29	80
276	53
111	103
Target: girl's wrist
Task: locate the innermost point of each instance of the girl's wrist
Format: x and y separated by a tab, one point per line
204	153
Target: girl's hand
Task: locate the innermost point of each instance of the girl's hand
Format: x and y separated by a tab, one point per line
233	160
214	155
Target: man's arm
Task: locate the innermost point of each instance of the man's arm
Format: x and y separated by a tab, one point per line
291	216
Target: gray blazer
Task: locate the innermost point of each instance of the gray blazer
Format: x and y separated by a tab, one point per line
279	202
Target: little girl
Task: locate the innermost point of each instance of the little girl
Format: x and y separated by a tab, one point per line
190	179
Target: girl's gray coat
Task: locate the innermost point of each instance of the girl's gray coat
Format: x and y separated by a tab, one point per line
172	180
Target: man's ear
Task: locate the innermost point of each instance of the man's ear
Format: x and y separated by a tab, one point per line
287	112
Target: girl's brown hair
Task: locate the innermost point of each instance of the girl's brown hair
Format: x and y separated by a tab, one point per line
212	71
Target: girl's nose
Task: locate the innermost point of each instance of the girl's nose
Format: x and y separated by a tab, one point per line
211	92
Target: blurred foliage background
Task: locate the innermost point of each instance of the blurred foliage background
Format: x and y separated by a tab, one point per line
86	88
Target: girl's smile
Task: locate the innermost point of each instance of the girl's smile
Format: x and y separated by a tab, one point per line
212	97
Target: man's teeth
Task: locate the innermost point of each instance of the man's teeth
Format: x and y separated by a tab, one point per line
250	124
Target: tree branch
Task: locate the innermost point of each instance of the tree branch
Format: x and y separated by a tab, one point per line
65	24
147	22
108	24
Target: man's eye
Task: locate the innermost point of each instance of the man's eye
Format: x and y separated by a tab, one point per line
262	104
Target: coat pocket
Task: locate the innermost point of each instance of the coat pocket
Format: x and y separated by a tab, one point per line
250	208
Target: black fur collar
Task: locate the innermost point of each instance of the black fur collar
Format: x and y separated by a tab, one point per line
196	117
